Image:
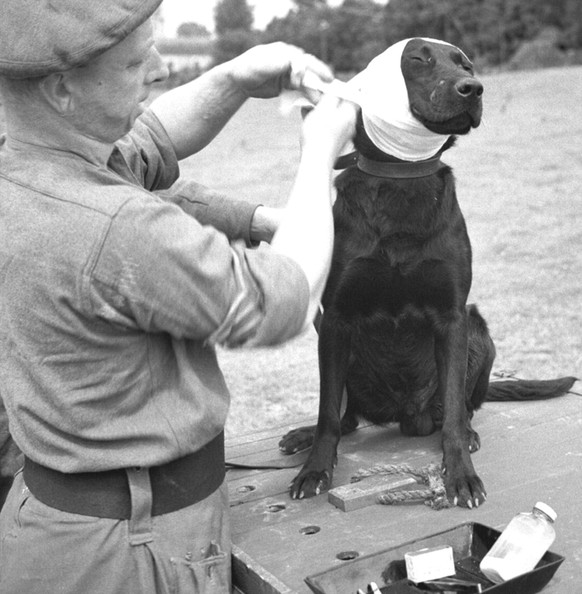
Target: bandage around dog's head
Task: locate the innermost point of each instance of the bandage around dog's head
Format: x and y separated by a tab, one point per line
386	113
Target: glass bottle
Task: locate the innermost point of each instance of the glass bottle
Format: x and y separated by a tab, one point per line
521	545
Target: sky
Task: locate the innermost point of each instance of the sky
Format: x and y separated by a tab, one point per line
202	12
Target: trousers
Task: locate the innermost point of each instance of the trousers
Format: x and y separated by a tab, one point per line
47	551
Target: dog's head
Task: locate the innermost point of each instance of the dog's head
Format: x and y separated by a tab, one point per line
443	92
416	95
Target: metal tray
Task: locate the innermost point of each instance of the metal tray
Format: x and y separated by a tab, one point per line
470	543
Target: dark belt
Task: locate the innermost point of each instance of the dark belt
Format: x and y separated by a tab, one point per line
106	494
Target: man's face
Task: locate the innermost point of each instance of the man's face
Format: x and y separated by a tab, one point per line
109	92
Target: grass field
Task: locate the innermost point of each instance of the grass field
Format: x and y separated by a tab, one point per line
519	179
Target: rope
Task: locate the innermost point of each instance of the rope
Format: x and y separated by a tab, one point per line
433	495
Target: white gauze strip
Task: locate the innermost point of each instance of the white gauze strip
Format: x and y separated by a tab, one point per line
386	113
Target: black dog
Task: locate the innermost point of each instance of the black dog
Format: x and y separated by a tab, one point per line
396	331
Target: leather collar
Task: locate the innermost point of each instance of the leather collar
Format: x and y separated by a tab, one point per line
400	170
390	169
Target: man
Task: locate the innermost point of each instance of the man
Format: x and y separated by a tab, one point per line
112	297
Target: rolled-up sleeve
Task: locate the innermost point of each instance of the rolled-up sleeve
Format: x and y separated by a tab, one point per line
159	270
230	216
146	156
285	290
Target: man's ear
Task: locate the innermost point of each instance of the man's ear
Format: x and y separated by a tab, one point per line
56	90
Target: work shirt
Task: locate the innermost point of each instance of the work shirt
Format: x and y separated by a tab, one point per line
111	301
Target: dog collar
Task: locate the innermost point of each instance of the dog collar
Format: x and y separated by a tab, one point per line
389	169
403	170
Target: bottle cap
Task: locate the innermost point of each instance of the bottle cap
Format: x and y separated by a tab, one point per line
546	509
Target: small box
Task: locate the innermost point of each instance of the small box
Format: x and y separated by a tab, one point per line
430	564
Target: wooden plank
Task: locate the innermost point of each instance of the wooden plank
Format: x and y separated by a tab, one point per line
267	459
361	449
253	486
292	556
530	452
272	435
251	578
366	492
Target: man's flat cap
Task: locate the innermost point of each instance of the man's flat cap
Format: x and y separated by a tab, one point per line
39	37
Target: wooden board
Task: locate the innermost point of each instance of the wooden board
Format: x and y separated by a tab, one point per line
253	577
530	451
364	493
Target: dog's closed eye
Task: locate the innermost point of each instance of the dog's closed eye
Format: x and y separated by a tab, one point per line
423	59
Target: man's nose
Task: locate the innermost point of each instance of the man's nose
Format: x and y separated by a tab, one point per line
159	72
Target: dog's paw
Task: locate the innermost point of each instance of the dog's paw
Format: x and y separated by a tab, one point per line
297	440
309	483
465	489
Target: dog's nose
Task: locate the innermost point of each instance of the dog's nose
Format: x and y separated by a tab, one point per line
469	87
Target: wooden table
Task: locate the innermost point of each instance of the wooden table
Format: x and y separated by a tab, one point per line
530	452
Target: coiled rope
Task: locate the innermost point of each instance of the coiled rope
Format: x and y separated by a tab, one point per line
433	495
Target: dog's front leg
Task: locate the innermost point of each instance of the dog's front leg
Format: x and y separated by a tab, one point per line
462	484
334	350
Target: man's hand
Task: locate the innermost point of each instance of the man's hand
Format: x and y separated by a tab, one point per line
194	113
265	222
265	70
329	127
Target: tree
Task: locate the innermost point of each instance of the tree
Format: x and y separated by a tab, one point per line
233	15
306	26
489	31
193	30
233	22
424	18
232	43
310	4
572	23
356	34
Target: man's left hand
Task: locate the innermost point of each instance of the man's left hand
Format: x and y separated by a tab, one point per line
265	70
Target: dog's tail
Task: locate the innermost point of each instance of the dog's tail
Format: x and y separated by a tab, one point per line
519	389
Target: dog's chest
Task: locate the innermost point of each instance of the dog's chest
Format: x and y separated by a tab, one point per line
370	285
389	255
371	210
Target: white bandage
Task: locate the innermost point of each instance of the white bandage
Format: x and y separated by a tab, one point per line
386	113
